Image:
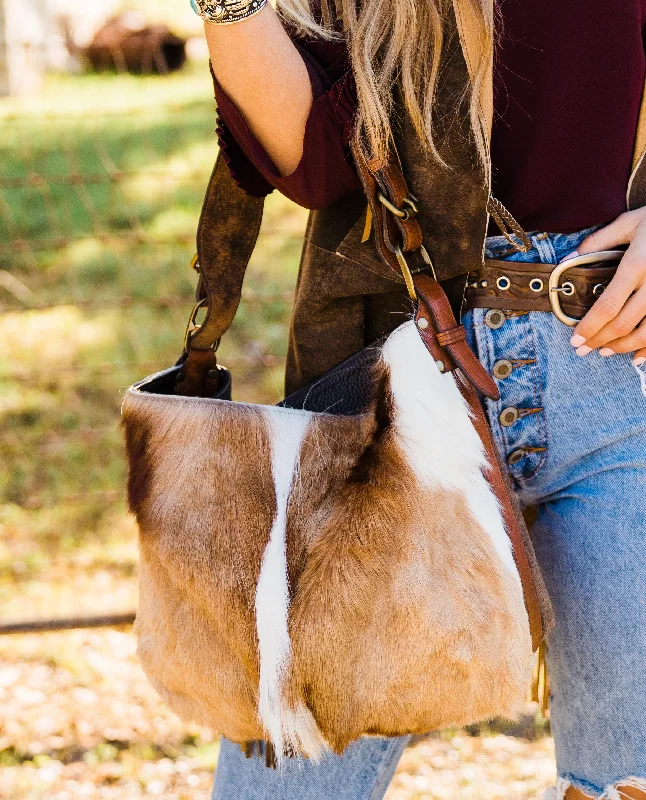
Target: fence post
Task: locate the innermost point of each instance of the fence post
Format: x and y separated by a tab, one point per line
5	82
24	28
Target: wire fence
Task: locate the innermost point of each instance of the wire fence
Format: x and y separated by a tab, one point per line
98	210
39	190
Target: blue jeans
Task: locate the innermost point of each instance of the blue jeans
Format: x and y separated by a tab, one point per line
578	453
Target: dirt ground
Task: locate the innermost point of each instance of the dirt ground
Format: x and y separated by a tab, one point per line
79	720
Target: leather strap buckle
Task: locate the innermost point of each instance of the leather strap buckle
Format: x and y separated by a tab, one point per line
555	290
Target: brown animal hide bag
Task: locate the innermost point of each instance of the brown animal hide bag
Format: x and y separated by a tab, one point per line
347	563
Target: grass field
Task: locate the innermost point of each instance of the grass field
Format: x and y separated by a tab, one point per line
108	310
95	289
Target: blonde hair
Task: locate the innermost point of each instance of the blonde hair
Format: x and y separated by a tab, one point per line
397	43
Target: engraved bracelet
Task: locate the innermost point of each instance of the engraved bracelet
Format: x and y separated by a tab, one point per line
227	12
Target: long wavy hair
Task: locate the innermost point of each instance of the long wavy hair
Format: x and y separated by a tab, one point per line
396	43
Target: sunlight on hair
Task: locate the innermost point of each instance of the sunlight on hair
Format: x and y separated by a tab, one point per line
398	43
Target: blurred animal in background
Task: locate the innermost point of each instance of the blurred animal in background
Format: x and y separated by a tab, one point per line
126	43
37	36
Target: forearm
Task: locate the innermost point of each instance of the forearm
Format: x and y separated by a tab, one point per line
263	73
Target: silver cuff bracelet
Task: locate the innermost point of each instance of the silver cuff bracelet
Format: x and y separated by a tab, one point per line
227	12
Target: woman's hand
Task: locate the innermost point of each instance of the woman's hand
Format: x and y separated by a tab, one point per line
616	322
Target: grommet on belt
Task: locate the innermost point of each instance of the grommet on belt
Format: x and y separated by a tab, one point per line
502	369
508	416
516	456
494	319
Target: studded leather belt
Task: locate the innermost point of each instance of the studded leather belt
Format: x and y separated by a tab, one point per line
568	289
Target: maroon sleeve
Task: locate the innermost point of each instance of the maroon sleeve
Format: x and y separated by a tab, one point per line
326	172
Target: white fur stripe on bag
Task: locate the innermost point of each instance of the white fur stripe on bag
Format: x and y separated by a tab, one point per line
289	729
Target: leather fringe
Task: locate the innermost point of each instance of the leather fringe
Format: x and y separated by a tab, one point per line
368	226
249	749
540	691
259	749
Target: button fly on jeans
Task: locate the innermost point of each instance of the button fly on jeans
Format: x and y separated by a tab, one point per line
508	416
516	456
494	319
502	369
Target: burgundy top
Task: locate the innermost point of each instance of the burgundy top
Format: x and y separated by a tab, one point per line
568	88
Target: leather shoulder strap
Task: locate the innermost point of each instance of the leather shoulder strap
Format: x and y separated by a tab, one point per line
227	234
226	237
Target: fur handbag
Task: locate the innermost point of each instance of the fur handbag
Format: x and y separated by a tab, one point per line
347	563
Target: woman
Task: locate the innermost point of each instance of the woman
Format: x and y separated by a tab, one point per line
560	133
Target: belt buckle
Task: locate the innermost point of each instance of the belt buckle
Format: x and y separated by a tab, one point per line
567	289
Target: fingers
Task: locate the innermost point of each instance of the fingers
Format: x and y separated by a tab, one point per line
619	232
608	309
619	333
630	343
616	323
623	304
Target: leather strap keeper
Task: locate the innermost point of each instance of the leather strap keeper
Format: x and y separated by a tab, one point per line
516	286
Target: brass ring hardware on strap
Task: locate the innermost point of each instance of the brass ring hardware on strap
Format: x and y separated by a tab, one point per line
192	328
403	213
555	290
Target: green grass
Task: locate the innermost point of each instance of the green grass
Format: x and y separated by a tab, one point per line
93	266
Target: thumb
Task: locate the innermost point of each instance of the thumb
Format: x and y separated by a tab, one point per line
619	232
